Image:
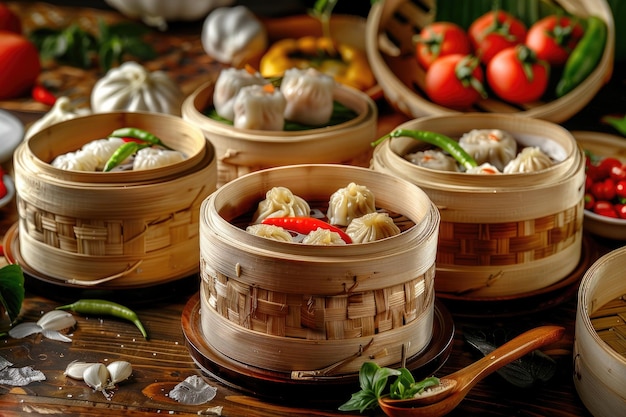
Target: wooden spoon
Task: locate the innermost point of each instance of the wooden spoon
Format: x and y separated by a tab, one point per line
454	387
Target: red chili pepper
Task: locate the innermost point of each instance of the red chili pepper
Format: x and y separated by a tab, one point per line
140	141
305	225
43	95
605	166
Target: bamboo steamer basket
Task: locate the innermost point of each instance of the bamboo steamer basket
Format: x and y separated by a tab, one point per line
307	310
391	24
117	229
504	235
240	151
599	343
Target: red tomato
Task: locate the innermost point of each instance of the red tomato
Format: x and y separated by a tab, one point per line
620	209
604	208
553	38
495	31
455	81
439	39
516	76
20	65
9	20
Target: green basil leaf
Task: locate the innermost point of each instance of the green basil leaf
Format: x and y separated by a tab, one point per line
12	290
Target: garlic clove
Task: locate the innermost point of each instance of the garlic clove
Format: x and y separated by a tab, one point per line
75	369
119	371
56	320
96	376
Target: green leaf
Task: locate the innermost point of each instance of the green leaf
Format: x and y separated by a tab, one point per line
12	290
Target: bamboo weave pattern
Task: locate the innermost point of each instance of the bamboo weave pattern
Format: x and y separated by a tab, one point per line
311	317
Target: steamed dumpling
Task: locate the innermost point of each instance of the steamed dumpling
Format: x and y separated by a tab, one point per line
281	202
433	159
493	146
260	108
309	96
227	86
79	160
149	158
323	237
269	231
371	227
484	169
349	203
530	159
102	149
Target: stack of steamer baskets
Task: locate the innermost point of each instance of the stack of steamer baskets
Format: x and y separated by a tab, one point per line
506	235
240	151
276	316
120	230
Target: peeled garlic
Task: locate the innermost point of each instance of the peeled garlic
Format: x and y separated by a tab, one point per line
119	371
96	376
75	369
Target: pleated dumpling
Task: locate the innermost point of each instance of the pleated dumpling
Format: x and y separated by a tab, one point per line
494	146
227	86
530	159
259	108
102	149
281	202
76	161
433	159
349	203
150	158
270	231
371	227
309	96
323	237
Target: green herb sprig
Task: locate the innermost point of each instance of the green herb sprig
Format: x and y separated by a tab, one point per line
373	380
12	290
74	46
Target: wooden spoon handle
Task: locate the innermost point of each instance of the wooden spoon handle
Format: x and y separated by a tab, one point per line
507	353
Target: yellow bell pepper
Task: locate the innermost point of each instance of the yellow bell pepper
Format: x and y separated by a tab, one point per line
345	63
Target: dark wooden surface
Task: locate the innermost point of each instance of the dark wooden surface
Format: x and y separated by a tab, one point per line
164	361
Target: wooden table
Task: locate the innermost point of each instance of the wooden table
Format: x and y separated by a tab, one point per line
164	360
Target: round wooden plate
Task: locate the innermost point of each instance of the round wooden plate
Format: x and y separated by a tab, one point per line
40	283
320	392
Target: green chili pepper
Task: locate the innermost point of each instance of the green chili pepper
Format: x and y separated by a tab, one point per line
98	307
135	133
585	56
121	153
441	141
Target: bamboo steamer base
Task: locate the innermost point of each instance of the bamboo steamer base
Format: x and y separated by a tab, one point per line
599	360
525	303
321	391
132	295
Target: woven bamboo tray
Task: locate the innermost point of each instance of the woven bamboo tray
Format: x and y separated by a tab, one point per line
127	228
391	25
297	308
499	235
240	151
600	336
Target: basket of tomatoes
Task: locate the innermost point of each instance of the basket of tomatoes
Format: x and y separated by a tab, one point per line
538	58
